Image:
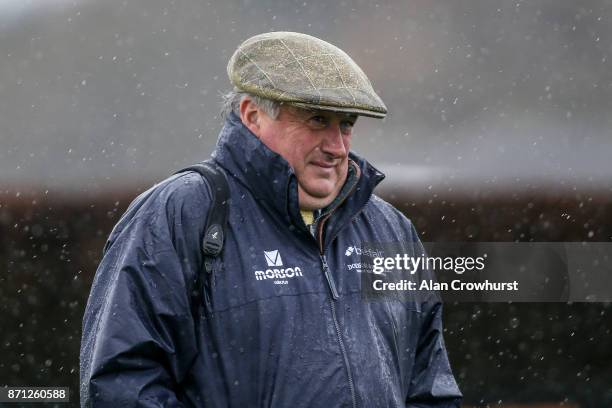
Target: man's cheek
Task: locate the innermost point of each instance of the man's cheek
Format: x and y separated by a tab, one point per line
347	142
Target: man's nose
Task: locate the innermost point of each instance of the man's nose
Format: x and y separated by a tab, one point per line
333	142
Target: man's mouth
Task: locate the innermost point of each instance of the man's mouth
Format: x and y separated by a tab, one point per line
324	165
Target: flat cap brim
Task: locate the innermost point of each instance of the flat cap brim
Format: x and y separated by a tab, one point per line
303	71
341	109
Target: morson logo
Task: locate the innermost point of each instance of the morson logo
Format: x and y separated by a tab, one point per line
276	270
273	258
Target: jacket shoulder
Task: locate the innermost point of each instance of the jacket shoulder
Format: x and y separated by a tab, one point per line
386	210
383	214
176	191
179	200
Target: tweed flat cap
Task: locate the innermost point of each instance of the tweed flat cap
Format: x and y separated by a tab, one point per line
303	71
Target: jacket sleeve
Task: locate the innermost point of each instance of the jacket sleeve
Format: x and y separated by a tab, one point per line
433	383
139	335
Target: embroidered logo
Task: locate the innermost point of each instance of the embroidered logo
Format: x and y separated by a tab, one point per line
275	269
273	258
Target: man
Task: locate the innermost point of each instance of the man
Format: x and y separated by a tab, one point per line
284	323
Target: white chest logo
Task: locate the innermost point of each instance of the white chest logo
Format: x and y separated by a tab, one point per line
273	258
276	270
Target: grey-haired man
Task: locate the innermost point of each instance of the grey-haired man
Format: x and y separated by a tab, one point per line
286	324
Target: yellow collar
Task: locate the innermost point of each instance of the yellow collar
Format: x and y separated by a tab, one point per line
307	216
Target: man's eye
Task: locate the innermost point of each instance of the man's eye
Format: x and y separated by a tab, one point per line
318	121
346	126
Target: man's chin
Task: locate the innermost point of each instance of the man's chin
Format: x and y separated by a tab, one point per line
313	199
320	192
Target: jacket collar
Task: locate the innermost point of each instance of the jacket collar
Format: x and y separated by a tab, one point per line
271	179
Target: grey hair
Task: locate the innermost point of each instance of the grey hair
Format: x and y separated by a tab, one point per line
231	103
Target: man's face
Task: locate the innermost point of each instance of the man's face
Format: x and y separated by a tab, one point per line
316	145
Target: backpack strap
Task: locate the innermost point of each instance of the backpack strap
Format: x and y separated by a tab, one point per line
216	220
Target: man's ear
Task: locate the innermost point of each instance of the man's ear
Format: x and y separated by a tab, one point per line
249	115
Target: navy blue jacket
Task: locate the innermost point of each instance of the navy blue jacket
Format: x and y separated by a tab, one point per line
285	324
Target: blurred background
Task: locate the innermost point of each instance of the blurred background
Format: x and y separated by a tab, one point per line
499	129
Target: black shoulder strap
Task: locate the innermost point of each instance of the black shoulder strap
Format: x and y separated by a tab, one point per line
216	221
214	231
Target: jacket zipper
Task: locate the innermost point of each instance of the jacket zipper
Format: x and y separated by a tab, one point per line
332	304
334	297
330	279
321	227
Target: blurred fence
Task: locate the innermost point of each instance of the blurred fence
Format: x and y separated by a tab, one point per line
50	246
